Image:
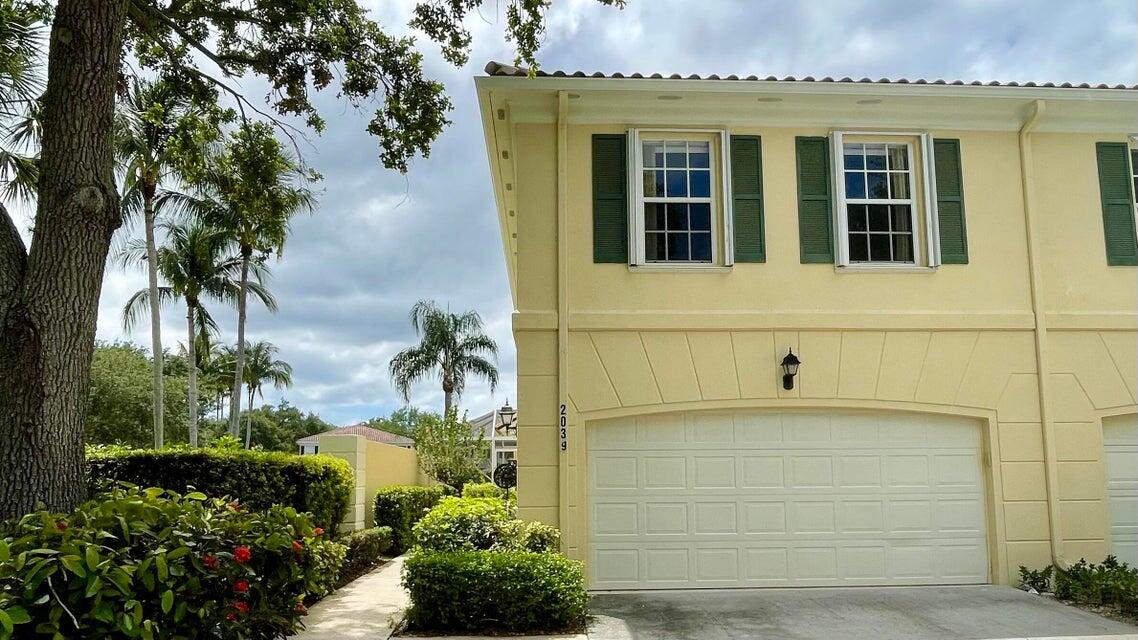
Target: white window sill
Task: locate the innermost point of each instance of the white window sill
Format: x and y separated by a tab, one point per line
673	268
884	268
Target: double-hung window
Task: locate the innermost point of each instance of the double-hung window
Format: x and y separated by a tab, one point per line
883	215
677	200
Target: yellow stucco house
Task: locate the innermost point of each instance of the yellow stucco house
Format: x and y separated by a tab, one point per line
952	263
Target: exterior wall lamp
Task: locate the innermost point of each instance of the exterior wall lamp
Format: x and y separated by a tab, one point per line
789	369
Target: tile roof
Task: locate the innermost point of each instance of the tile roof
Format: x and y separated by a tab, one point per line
499	69
362	429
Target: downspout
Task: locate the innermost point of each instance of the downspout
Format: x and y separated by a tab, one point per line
563	311
1050	458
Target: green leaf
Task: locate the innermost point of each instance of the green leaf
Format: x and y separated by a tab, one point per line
5	622
160	565
4	552
195	495
167	601
18	615
74	564
92	557
177	553
94	586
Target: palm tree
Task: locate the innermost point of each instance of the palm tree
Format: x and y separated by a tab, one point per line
252	190
21	83
261	366
197	263
150	116
451	345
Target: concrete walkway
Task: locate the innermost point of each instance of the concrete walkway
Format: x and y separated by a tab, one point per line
362	609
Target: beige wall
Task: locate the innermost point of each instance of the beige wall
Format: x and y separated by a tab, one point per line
960	340
375	465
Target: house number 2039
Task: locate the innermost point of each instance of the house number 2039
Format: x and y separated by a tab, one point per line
562	428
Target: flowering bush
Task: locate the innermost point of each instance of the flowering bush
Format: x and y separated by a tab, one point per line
134	563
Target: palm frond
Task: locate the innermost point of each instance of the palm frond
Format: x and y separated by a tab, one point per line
138	305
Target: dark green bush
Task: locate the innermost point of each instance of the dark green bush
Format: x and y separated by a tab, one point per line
365	550
1111	582
455	524
400	507
319	485
1039	580
497	591
134	563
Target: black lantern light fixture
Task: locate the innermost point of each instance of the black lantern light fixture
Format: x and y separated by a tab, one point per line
506	416
789	369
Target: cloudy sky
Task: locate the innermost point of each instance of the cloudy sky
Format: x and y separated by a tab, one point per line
380	240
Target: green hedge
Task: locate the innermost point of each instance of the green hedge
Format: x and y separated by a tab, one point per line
481	490
401	506
365	550
319	485
478	524
134	563
494	591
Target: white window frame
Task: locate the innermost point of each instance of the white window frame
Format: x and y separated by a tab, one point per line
931	242
636	202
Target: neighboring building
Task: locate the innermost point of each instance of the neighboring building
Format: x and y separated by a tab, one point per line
309	444
953	263
500	429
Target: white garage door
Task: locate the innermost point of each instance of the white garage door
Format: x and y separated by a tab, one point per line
1120	439
757	499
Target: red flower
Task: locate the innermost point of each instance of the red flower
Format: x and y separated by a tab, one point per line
242	554
232	617
234	506
210	561
241	586
301	609
240	606
317	532
61	525
297	547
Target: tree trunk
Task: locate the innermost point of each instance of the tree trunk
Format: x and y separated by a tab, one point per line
239	365
49	296
249	421
448	395
192	391
148	189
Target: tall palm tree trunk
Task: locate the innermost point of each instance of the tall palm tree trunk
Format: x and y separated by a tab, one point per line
155	312
192	392
239	365
249	421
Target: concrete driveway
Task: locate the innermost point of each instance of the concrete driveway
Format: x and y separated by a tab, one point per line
896	613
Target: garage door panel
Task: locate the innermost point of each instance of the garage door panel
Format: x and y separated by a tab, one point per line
793	500
1120	442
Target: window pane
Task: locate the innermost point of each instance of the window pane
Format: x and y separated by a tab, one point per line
878	217
855	185
875	156
655	247
876	185
654	216
898	157
879	247
859	247
855	214
677	154
699	154
902	220
899	185
677	217
700	217
653	184
677	184
653	154
701	247
701	184
678	246
902	247
854	159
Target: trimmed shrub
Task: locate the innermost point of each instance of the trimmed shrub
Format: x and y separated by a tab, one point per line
400	507
365	550
481	490
1039	580
134	563
537	537
495	591
319	485
455	524
1111	582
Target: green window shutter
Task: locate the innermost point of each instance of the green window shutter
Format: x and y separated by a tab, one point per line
610	198
747	198
815	226
1116	190
950	202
